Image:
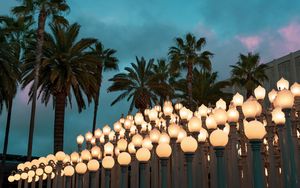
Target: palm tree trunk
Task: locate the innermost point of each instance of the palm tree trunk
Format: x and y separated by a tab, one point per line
190	84
10	102
40	42
97	97
60	104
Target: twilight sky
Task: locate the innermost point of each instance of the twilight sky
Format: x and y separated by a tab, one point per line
148	28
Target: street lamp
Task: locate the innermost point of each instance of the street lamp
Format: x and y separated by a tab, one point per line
221	104
80	140
189	146
238	99
194	126
108	163
143	155
69	172
211	122
124	160
218	140
282	84
163	151
255	131
220	117
81	169
260	93
93	166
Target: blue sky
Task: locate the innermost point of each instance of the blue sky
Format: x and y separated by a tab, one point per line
147	28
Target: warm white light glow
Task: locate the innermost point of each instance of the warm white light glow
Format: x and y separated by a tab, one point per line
218	138
163	150
254	130
189	144
143	155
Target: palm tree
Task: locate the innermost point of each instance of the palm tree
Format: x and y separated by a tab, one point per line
208	90
44	9
137	84
106	61
162	72
248	72
67	69
187	53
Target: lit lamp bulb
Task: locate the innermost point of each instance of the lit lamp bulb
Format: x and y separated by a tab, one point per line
178	106
124	159
272	95
143	155
147	143
238	99
221	104
189	144
85	155
108	149
80	139
106	130
255	130
11	178
173	130
164	138
93	165
285	99
168	109
152	115
49	157
163	150
122	144
220	116
157	108
95	152
21	167
24	176
111	135
81	168
117	126
98	133
69	171
74	157
195	124
88	136
282	84
210	122
131	148
232	115
249	109
108	162
127	124
260	93
184	113
48	169
202	135
17	177
202	110
137	140
278	116
60	156
295	89
154	135
138	118
218	138
181	135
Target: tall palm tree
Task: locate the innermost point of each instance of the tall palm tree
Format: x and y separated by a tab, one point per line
44	9
137	84
67	69
208	90
248	73
164	75
187	53
106	61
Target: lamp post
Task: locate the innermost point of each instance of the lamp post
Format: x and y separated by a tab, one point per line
163	151
143	155
108	163
124	160
80	140
93	166
255	131
189	146
80	169
218	140
69	172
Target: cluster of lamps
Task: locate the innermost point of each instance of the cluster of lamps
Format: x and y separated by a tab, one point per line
239	145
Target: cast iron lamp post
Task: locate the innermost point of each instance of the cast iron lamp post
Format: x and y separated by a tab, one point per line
124	160
81	169
255	131
69	172
163	151
218	140
108	163
189	146
143	155
93	167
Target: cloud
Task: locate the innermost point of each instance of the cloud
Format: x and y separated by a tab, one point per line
291	36
250	42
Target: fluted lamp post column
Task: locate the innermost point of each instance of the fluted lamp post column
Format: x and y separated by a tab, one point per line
93	166
218	140
69	172
108	163
143	155
81	169
189	145
164	151
124	160
255	131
